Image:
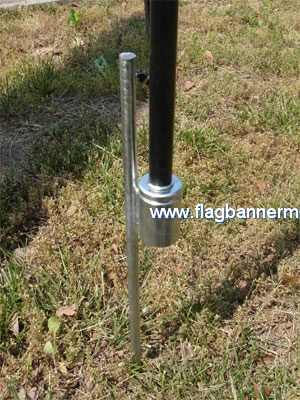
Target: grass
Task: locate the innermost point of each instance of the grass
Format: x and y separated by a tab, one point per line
216	323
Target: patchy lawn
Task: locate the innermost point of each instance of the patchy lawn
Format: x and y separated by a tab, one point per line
220	309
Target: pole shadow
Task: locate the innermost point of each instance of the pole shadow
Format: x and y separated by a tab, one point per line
57	135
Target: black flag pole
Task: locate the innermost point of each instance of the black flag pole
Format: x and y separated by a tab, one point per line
163	49
160	188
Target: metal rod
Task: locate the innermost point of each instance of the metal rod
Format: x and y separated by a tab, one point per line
128	105
163	49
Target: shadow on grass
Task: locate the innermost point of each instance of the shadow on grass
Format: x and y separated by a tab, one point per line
54	118
234	291
218	305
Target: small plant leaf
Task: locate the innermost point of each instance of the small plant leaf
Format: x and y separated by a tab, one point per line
262	392
71	210
208	55
49	349
101	65
63	369
268	359
68	311
178	270
115	248
32	394
53	325
14	325
22	394
188	85
288	324
74	18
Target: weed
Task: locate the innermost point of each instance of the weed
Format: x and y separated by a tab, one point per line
74	19
50	348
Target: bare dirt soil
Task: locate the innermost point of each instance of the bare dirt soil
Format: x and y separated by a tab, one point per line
16	135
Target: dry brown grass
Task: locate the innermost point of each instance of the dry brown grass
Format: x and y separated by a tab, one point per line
217	322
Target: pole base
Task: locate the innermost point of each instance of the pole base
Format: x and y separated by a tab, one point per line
158	226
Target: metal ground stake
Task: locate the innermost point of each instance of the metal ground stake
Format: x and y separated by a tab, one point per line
128	107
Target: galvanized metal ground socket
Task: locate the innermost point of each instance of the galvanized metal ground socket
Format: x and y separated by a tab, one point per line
159	226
